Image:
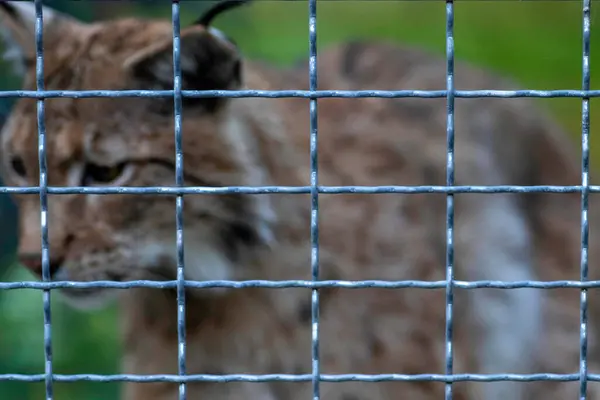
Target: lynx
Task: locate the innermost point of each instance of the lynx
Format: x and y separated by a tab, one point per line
257	142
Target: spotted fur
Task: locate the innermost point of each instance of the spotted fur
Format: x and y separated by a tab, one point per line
256	142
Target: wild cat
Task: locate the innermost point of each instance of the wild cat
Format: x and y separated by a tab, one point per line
256	142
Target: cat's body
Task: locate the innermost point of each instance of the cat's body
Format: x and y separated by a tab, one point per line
256	142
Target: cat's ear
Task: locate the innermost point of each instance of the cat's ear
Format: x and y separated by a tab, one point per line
209	60
17	26
207	63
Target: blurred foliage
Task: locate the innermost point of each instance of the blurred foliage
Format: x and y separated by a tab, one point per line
538	43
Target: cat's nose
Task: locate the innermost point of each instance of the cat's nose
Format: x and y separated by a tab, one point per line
33	262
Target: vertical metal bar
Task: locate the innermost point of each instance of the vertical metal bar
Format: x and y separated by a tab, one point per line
450	196
585	165
41	121
314	194
181	342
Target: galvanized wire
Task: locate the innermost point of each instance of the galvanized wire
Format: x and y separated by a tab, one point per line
46	273
449	196
314	196
177	111
585	171
307	94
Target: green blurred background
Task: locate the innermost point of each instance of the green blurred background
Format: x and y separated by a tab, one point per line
537	43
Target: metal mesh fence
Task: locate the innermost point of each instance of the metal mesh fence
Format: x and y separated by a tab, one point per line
314	190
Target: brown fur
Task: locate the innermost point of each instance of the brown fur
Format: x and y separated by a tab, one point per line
389	236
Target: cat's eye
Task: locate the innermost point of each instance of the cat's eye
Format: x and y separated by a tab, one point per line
102	174
18	166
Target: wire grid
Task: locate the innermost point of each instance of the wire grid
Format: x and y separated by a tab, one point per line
314	189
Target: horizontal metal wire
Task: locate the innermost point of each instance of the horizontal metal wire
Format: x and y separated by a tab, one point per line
285	284
316	94
173	191
302	378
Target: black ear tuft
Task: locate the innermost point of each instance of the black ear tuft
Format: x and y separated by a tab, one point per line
219	8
